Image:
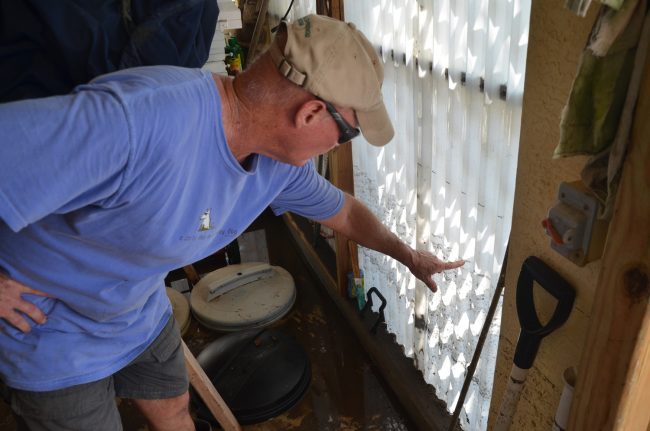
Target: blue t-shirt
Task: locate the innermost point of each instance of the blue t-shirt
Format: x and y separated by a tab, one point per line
104	191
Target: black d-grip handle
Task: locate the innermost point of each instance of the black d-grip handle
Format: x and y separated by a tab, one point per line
532	330
368	306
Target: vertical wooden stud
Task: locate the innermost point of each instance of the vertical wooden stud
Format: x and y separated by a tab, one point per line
613	390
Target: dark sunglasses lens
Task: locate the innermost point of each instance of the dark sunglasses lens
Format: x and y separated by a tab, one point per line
347	134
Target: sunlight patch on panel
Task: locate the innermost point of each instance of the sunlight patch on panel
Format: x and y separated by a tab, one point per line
462	326
449	294
466	287
458	368
436	300
493	31
476	326
445	369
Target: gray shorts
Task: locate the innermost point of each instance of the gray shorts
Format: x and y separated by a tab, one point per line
159	372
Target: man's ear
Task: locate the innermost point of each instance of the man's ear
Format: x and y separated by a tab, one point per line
309	113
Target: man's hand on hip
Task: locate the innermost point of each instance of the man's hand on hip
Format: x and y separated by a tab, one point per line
13	307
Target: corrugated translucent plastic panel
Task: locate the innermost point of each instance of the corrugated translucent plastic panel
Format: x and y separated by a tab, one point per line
454	78
300	8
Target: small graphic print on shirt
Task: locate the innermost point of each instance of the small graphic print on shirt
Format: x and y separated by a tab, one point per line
206	223
207	230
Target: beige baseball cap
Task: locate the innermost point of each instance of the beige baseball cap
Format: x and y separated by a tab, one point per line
334	61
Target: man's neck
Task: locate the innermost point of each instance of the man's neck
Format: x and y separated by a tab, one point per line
252	124
235	117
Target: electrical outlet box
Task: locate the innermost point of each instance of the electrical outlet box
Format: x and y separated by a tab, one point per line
573	225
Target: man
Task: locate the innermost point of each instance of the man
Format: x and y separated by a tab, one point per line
105	190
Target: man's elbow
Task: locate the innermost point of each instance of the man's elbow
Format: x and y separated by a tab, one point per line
341	221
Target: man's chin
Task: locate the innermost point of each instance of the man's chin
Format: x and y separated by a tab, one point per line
298	163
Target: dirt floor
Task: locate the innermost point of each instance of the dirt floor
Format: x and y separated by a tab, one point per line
345	393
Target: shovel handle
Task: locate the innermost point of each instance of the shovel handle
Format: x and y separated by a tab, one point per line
534	269
548	278
532	330
510	398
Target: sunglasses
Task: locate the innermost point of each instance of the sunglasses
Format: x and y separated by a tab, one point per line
347	131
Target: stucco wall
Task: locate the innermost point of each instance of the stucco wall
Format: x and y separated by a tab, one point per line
556	40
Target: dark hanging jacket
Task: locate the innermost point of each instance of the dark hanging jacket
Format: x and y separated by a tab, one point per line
47	47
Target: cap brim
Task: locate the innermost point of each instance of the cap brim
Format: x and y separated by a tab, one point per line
376	126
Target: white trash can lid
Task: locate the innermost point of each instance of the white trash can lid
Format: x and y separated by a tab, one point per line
243	296
180	309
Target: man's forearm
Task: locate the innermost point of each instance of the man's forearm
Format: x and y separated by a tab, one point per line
358	223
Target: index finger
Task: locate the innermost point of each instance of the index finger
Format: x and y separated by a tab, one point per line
453	265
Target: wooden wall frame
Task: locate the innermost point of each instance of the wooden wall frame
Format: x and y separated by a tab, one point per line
613	388
340	165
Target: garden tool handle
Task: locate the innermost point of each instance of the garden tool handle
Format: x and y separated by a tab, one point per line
368	306
532	330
